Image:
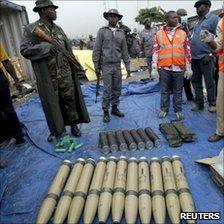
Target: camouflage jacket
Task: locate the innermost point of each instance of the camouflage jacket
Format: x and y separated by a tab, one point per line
57	64
48	65
147	40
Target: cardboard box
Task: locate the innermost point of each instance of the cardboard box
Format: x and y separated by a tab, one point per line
215	175
217	178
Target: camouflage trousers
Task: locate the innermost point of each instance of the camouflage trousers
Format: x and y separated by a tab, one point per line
112	81
65	93
149	64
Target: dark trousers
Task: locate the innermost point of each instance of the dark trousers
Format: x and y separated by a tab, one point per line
187	89
216	77
171	82
207	70
9	122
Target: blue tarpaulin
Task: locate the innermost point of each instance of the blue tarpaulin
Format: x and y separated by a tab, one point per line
31	169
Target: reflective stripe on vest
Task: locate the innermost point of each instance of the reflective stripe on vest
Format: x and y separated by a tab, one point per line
221	52
221	62
171	52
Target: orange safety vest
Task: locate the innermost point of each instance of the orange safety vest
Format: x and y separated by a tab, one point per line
171	52
220	53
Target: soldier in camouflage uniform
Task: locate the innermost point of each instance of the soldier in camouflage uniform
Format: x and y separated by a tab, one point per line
109	49
147	36
90	43
135	49
57	83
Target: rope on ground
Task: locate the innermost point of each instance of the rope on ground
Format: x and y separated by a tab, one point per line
26	133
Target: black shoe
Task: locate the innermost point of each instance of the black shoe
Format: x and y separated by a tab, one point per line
106	116
215	138
115	111
75	130
190	98
197	107
51	138
55	139
212	109
3	164
5	142
20	142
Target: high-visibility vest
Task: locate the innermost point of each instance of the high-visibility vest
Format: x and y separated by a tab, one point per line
220	53
171	52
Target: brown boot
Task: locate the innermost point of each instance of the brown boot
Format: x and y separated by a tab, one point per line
215	138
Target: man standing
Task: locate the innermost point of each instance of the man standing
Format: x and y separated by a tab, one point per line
202	58
90	43
182	13
147	36
57	83
218	45
134	50
127	33
170	55
123	27
109	49
9	122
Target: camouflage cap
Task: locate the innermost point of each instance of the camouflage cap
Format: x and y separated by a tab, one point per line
112	12
43	4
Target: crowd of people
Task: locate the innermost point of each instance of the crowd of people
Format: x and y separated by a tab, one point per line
179	58
174	56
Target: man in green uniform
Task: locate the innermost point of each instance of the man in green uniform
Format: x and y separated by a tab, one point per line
57	83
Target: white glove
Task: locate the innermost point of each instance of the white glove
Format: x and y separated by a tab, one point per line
206	36
188	73
154	72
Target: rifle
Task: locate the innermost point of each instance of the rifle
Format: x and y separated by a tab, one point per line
37	31
97	87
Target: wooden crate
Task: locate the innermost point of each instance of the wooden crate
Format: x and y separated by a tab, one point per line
17	64
138	62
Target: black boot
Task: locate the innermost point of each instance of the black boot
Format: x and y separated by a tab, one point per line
51	137
197	107
106	116
75	130
115	111
20	141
